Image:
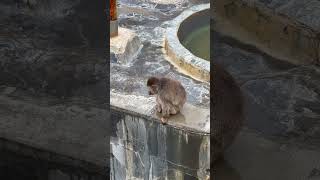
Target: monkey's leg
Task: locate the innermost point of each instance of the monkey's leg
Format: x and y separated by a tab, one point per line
158	106
159	109
173	109
165	112
164	120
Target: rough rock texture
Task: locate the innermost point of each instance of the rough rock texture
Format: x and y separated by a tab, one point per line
144	149
288	29
282	103
281	137
149	21
227	107
305	12
124	47
74	127
281	99
48	47
53	77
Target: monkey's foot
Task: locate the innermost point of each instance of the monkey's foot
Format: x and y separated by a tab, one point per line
164	120
159	109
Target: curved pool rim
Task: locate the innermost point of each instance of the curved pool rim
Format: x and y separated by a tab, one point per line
179	55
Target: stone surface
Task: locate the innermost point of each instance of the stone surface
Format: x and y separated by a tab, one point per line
179	55
166	2
144	149
75	129
53	77
149	21
191	117
48	48
125	47
227	111
57	174
254	157
282	99
281	139
19	161
306	12
288	30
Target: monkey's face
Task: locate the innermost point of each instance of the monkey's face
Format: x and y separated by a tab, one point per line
153	90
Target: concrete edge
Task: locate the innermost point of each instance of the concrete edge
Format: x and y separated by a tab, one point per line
144	107
297	46
181	56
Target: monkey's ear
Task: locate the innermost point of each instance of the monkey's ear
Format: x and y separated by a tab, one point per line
152	80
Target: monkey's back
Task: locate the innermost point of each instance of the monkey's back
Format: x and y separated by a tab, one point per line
228	112
172	91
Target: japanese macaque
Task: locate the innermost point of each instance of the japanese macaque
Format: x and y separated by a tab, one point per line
171	96
228	113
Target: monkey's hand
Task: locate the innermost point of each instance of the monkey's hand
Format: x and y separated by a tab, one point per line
164	120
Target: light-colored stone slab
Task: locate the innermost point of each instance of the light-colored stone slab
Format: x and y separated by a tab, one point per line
125	46
191	117
180	56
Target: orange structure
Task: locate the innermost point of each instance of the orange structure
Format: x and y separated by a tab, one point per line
113	18
113	10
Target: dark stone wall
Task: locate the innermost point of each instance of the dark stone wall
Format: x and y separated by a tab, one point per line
52	46
146	149
18	161
53	49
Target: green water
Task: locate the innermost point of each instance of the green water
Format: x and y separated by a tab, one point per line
198	42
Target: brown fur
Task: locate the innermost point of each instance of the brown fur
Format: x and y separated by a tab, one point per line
171	95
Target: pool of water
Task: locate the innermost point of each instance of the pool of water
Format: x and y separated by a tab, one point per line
198	42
